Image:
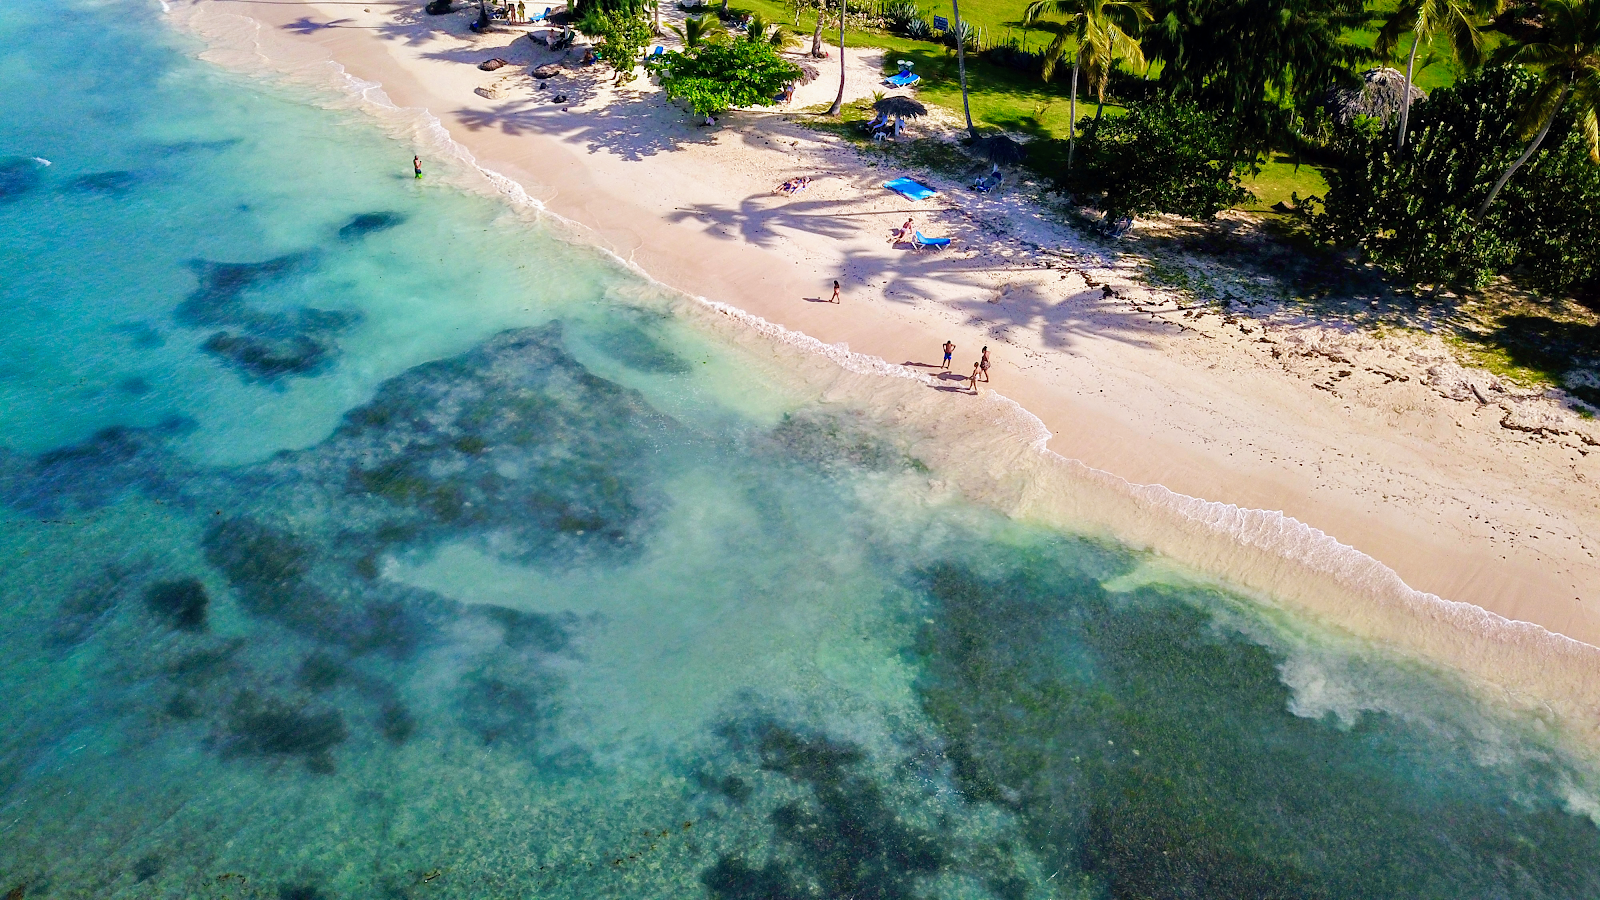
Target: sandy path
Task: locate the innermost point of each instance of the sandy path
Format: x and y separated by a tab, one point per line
1466	488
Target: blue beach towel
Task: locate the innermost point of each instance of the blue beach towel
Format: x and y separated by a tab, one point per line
910	188
903	79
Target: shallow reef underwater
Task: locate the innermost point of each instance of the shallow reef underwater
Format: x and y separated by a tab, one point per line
361	538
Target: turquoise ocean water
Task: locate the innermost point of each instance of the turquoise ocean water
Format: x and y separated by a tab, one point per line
362	538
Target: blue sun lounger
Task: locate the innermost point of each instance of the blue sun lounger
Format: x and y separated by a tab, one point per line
541	16
918	241
902	79
910	188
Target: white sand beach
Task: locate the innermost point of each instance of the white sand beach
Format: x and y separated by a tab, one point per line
1474	490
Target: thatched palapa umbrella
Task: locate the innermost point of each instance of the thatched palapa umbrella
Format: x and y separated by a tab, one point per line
1000	150
900	107
1381	94
808	73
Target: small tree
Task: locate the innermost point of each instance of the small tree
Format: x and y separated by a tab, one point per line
1165	156
623	27
623	37
714	77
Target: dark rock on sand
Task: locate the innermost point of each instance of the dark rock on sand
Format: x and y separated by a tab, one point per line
268	358
18	176
108	183
369	223
181	604
274	727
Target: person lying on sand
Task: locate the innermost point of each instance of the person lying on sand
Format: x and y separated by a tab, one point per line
793	186
902	233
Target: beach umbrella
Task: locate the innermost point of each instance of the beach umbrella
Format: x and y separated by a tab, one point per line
900	107
1380	96
1000	150
808	73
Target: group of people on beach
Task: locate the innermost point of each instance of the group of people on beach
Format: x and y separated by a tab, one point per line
793	186
980	369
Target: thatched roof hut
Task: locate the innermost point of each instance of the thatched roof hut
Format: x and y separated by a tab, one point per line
1000	150
1379	96
900	107
808	73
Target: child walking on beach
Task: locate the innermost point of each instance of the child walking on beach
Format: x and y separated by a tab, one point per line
972	380
949	349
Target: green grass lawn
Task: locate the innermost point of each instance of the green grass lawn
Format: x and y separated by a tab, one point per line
1280	179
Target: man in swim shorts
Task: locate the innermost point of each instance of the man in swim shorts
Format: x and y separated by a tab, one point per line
416	163
949	349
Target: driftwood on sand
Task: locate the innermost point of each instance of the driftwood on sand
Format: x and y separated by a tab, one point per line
1379	96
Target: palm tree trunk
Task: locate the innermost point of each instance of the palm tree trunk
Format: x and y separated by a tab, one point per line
1072	112
1100	92
1405	102
816	36
961	65
838	100
1543	130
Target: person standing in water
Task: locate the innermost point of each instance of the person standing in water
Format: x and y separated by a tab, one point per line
972	380
835	297
984	364
949	350
416	163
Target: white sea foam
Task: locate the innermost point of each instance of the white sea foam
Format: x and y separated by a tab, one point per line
42	161
1266	553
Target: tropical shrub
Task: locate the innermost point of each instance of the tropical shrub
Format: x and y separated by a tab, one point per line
1411	213
1166	156
623	36
918	29
901	14
718	76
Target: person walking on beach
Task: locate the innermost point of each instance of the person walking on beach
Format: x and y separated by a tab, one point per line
984	364
522	12
835	297
416	164
949	350
972	380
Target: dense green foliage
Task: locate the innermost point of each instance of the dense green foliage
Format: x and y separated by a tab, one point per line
1412	215
623	34
1164	156
1256	62
721	75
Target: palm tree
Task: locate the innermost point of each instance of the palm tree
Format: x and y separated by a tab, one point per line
961	64
1454	20
1099	26
1100	64
780	37
697	30
1565	52
838	100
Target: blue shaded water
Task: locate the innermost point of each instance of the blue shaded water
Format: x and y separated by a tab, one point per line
362	539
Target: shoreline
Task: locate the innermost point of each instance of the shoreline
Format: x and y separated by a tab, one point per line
657	203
